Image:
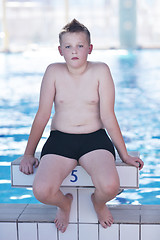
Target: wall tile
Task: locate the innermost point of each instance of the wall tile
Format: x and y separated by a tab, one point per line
129	231
27	231
47	231
111	233
70	234
150	232
8	231
87	213
88	231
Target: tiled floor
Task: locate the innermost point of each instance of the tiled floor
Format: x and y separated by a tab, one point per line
35	222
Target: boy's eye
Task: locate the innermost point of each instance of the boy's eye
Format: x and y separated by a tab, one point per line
67	46
80	46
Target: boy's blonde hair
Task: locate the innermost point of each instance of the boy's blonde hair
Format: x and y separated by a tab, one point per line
74	26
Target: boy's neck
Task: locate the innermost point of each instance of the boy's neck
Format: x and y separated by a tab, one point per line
77	71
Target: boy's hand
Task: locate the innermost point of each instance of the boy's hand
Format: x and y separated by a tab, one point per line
134	161
27	163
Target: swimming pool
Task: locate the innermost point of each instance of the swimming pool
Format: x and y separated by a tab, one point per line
136	75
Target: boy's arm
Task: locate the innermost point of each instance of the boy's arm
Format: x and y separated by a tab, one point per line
47	95
107	114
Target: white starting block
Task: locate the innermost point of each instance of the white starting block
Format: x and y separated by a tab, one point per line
129	175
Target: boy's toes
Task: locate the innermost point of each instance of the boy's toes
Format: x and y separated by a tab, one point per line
58	225
55	220
103	224
63	229
107	223
111	220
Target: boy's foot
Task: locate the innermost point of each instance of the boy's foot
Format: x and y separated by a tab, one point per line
62	217
104	215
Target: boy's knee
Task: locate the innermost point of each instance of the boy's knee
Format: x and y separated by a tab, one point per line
111	189
114	188
38	192
42	192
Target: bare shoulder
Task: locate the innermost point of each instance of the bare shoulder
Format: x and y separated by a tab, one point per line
100	66
101	71
55	67
53	71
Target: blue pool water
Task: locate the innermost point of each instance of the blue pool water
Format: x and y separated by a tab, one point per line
136	75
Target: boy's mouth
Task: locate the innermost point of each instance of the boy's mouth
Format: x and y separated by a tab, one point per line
75	58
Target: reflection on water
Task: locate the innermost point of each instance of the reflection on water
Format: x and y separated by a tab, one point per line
136	75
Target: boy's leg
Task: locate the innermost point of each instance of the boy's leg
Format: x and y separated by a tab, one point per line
100	165
52	170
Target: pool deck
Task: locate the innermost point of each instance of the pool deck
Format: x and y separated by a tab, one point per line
35	222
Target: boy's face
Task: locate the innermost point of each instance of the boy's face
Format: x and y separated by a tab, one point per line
75	48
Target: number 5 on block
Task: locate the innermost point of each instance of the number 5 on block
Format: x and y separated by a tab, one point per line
75	178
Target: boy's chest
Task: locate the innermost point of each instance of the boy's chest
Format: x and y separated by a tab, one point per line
72	92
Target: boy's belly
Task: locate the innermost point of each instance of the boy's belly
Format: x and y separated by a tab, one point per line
76	123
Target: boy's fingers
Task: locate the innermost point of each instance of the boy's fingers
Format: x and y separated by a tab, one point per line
137	164
36	163
26	170
140	164
30	169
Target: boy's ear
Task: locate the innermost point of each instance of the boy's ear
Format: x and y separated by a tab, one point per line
90	49
60	51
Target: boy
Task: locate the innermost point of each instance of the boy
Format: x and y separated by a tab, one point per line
83	96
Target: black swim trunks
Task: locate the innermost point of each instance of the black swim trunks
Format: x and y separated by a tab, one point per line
76	145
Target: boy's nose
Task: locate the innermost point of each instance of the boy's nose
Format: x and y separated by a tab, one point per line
74	50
